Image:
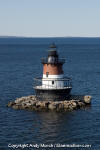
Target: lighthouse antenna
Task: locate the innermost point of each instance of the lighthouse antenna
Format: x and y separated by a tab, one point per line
53	45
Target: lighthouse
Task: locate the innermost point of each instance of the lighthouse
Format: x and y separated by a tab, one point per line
53	85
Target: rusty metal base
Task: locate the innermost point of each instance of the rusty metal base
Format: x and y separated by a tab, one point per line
53	94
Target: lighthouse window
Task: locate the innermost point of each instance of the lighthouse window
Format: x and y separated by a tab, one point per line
47	73
52	82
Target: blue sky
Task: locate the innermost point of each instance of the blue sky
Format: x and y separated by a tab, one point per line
48	18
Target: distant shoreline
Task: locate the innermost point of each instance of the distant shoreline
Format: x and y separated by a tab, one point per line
46	37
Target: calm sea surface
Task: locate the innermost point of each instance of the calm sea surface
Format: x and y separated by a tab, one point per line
20	63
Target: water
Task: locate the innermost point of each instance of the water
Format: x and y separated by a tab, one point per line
20	63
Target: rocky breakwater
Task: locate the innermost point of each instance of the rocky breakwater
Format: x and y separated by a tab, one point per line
31	103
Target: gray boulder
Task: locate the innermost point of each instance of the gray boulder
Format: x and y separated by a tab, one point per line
87	99
52	106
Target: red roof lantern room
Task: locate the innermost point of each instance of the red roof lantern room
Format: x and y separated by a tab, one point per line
53	84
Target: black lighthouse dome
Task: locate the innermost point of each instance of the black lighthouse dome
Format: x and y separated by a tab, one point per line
52	54
53	57
53	50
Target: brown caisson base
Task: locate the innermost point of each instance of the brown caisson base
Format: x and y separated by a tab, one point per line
53	94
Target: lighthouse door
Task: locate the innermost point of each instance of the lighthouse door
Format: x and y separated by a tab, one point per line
52	82
47	73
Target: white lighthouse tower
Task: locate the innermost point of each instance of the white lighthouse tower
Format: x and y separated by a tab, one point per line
54	86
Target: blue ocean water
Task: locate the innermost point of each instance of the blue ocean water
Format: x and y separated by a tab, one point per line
20	63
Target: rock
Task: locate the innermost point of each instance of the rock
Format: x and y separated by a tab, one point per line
30	102
19	100
60	106
66	104
52	106
81	104
56	103
74	105
38	104
42	104
33	103
70	107
26	104
24	107
16	107
47	104
32	97
27	98
87	99
10	104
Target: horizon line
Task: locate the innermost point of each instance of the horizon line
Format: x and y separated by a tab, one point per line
8	36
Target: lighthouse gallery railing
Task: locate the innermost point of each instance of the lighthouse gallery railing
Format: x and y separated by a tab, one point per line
38	83
60	60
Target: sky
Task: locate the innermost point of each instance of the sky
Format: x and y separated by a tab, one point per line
50	18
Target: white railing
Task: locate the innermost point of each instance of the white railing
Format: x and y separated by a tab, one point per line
67	83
